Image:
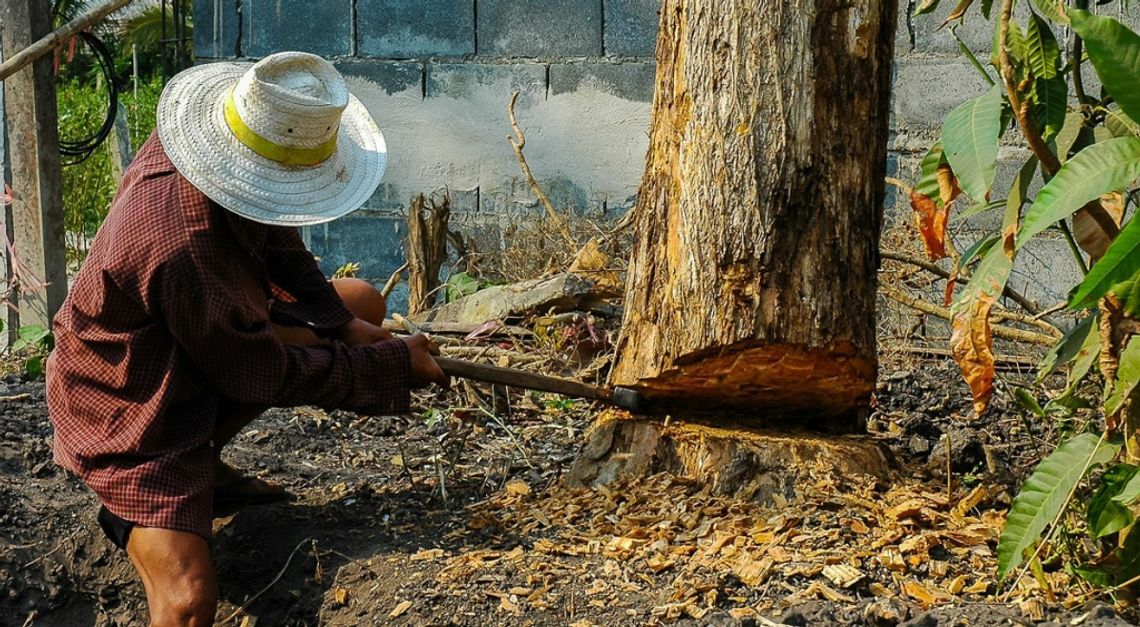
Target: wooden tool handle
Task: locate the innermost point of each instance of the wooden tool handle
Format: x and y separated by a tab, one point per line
521	379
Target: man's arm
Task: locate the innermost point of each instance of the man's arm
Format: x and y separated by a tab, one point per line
312	302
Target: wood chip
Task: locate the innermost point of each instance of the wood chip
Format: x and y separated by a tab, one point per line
829	593
400	609
843	575
427	555
341	596
517	486
924	595
752	572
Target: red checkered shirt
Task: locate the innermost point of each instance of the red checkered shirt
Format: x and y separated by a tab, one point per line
169	320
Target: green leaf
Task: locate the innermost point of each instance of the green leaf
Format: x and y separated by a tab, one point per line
1070	131
1051	102
928	183
1066	349
988	278
976	208
1120	262
1128	492
978	249
1041	50
1126	565
1027	402
1045	492
1121	125
1115	53
1051	9
987	8
1105	514
1088	355
1127	376
1100	168
459	285
970	141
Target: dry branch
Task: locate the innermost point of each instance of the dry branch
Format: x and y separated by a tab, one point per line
393	280
1019	335
518	142
1008	292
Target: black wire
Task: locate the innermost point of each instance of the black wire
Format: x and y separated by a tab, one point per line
83	148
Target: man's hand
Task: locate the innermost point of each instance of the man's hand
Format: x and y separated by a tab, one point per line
424	368
359	332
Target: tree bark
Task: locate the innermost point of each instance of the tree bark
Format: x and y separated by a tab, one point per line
751	286
426	250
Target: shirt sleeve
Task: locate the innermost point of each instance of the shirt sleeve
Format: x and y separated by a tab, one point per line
292	268
234	346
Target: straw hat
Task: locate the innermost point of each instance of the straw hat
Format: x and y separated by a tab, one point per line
280	141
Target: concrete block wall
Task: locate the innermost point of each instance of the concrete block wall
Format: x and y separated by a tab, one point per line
437	75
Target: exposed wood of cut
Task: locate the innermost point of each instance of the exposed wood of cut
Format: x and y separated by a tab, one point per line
750	463
752	280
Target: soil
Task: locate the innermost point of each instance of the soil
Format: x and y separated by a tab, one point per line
454	518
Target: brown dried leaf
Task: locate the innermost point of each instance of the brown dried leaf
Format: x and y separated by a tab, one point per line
931	222
341	595
1097	223
948	190
517	486
971	343
924	595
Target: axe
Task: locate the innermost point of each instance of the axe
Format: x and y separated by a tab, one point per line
625	398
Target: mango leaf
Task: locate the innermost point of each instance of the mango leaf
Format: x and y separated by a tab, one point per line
926	6
1042	53
948	190
970	141
1105	514
971	337
1100	168
1052	10
1120	261
958	11
1066	349
1067	139
1027	402
987	7
459	285
1050	104
1046	492
1124	566
1129	492
1115	53
1097	224
928	182
1088	355
931	221
1013	203
1127	376
977	249
1121	125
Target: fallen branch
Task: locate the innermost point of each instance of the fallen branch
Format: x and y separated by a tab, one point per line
1014	361
514	358
1019	335
460	328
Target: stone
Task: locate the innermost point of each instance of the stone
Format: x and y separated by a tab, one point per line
631	81
631	27
289	25
518	28
403	29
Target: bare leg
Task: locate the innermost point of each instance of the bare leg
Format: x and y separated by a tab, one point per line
178	575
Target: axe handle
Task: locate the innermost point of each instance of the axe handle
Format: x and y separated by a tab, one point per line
521	379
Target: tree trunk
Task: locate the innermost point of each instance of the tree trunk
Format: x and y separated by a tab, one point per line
751	286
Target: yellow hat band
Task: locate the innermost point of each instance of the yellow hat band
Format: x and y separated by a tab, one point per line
285	155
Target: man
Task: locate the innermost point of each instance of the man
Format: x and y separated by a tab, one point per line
199	306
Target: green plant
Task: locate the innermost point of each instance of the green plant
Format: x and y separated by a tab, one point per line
33	343
1088	155
89	187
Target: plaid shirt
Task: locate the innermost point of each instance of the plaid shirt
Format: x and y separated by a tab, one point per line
168	321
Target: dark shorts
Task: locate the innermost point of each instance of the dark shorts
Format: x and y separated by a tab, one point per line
117	529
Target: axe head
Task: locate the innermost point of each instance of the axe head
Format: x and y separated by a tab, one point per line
628	399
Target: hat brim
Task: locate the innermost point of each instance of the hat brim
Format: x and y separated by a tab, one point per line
192	127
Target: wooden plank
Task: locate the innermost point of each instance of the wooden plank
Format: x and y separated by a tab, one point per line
33	136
